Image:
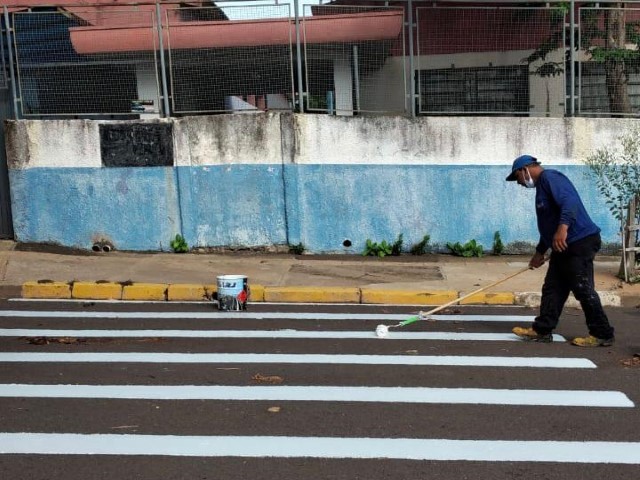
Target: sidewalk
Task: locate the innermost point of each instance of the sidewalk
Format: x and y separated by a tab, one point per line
429	280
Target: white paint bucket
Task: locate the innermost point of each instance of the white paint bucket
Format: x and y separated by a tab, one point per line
233	292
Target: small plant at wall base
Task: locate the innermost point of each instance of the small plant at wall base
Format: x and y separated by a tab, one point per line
422	247
179	244
297	249
469	249
375	249
396	248
498	246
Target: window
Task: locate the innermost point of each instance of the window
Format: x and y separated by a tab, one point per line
593	89
474	90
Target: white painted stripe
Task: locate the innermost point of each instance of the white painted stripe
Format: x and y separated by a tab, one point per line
304	334
260	315
321	447
470	361
474	396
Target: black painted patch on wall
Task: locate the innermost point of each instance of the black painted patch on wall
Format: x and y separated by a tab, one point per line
136	145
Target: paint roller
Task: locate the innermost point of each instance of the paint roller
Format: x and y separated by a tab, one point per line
383	330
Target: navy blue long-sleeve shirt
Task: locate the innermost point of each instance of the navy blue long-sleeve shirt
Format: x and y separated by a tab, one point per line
558	202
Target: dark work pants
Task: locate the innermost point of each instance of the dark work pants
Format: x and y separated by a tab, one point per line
572	271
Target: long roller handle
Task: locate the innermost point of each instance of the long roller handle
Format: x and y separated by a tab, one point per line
453	302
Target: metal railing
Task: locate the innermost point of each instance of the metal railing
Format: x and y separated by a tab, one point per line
408	57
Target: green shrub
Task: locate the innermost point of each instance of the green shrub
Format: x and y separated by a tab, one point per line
396	248
297	249
179	244
422	247
469	249
498	246
375	249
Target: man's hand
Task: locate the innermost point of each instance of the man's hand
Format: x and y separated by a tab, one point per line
559	243
537	260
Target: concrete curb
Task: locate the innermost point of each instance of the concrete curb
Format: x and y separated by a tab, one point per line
302	294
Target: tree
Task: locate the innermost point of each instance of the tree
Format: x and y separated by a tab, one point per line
609	38
609	47
616	170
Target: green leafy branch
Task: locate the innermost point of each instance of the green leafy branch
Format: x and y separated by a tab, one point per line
616	171
469	249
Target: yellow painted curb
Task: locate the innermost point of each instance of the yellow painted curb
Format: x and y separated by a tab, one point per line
46	290
145	291
311	294
97	291
186	292
416	297
495	298
256	293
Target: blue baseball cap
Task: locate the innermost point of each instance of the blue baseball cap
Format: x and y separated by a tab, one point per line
518	163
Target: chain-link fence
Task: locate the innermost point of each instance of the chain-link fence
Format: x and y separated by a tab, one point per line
609	61
483	60
354	58
4	77
344	57
239	59
86	61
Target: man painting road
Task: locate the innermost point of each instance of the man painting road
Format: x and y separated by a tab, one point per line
566	228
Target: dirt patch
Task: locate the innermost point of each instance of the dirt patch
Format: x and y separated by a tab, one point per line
430	258
51	248
378	273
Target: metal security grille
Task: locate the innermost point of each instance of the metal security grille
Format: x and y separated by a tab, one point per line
483	89
362	68
236	59
490	60
65	65
609	61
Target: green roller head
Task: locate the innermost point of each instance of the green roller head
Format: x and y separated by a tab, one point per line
409	321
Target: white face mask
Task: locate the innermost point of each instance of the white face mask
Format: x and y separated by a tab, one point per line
528	182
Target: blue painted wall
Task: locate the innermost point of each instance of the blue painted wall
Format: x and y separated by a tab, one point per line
133	208
232	205
331	203
244	205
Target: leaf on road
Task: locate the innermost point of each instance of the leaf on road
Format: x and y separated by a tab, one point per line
632	362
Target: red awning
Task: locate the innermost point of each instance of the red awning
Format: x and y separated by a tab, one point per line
355	27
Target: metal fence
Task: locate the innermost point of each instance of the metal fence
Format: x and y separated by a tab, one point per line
481	60
347	57
239	59
609	61
361	67
4	79
70	64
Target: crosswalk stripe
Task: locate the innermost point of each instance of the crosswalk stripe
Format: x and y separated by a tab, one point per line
473	396
136	357
259	316
321	447
305	334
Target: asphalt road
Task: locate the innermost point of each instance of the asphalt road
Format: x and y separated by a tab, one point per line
181	391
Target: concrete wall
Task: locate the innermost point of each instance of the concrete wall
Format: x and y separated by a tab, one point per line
277	179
